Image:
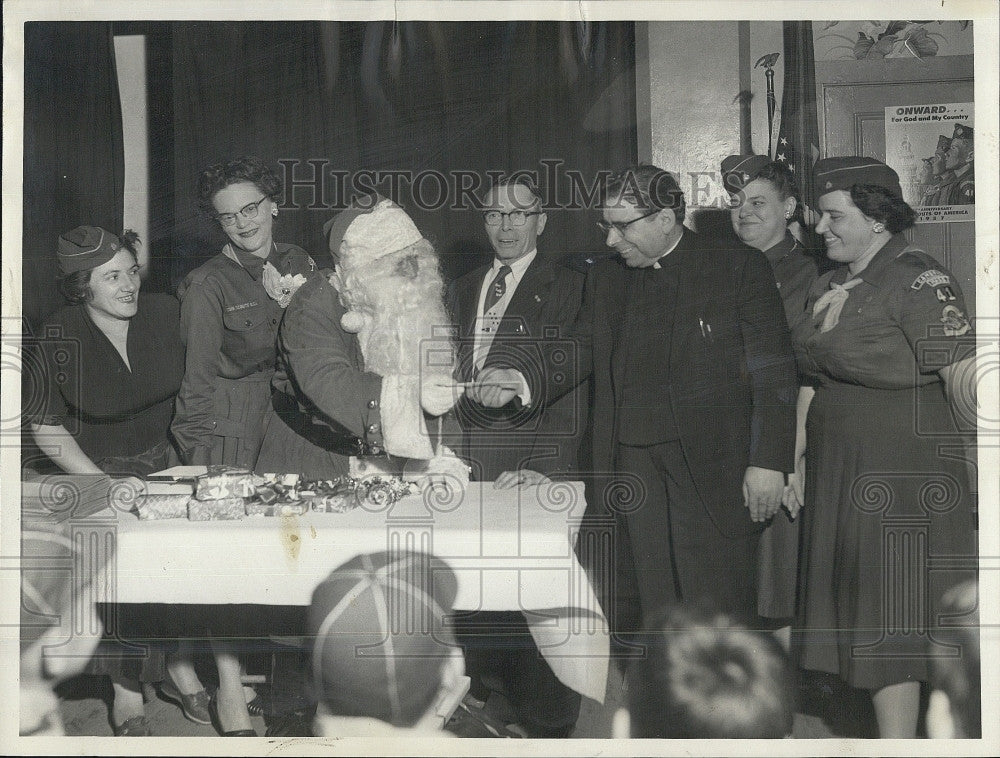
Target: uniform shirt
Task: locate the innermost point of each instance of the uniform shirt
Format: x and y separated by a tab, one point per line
962	190
932	195
487	324
110	409
229	325
897	329
794	273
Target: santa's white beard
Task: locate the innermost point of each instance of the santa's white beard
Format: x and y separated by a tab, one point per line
395	306
406	325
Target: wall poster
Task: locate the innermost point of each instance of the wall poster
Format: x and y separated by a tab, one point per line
931	148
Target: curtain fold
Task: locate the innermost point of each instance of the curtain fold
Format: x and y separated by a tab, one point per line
243	88
415	97
74	159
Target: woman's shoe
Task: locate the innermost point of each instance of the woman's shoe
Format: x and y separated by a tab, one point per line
137	726
213	709
194	707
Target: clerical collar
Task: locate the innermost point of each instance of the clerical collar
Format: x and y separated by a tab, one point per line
676	243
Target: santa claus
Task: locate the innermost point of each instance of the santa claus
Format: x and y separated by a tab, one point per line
365	357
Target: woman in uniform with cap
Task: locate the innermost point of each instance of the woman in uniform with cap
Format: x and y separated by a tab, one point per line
230	311
881	345
103	405
765	201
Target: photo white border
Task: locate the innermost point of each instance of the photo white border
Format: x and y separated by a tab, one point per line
984	15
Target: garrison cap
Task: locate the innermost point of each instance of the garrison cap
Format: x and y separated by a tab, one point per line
739	170
843	172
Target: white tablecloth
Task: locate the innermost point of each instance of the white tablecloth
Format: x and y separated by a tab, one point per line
511	550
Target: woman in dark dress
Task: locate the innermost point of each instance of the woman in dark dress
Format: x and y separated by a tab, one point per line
882	345
765	201
113	364
230	312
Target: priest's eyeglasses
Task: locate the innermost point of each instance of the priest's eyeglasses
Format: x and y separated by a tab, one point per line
621	226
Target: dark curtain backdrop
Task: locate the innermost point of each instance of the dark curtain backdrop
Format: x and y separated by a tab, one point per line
413	97
73	154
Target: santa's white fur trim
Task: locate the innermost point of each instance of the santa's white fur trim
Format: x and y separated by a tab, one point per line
404	432
354	321
372	235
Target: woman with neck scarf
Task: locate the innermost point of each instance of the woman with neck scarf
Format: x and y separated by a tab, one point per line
887	346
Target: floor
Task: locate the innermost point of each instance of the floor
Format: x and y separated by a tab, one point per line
828	708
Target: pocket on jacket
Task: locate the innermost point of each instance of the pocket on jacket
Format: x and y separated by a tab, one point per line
245	319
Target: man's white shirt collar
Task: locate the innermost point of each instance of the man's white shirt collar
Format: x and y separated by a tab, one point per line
517	268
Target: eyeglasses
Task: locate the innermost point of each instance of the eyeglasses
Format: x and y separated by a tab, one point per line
517	218
248	211
621	226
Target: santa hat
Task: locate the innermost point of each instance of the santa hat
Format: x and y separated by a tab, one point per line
367	231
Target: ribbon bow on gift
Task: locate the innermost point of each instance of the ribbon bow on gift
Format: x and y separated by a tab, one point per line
833	300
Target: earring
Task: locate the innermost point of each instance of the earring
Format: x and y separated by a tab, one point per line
788	215
274	211
878	227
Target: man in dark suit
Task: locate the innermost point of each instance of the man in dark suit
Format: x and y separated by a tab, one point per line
509	312
694	404
504	312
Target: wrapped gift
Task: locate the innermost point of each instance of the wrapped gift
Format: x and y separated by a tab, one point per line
162	506
284	480
221	484
382	490
223	509
334	503
277	508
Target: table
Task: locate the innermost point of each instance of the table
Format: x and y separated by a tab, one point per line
510	549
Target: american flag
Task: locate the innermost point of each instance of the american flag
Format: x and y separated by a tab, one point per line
798	135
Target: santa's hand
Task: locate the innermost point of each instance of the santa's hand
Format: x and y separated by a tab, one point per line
438	394
521	478
495	387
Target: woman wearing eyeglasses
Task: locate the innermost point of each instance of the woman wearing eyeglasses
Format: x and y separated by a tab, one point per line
229	323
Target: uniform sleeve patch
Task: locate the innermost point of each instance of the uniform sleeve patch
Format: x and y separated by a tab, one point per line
932	278
945	294
955	322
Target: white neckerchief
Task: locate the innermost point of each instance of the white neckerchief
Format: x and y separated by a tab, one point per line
833	301
487	324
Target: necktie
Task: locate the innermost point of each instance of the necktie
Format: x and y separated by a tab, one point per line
497	289
833	300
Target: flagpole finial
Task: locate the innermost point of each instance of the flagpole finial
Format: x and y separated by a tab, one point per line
767	61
